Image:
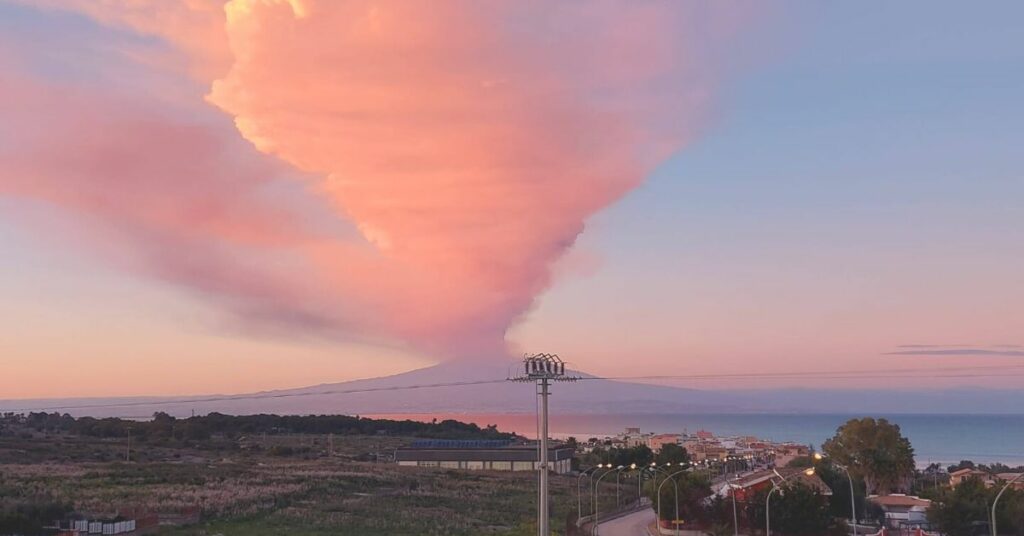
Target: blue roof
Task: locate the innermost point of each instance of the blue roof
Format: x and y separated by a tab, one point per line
460	443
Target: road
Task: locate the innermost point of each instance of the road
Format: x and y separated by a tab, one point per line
631	525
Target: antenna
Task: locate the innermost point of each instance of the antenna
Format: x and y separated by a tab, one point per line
543	369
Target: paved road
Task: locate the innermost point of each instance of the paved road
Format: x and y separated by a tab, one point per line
631	525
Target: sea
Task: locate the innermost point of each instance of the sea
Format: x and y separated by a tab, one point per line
943	439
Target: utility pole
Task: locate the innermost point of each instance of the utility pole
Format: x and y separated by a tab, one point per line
128	451
543	369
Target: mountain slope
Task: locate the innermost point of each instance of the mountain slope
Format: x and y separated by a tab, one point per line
589	396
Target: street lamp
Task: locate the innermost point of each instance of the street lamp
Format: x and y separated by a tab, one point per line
579	492
618	473
735	518
597	519
676	486
639	481
853	502
593	489
767	500
995	502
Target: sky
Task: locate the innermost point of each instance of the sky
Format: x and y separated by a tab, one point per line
207	198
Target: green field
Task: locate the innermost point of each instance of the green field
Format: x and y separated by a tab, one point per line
253	492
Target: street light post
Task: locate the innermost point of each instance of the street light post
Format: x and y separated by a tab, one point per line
767	500
735	516
579	492
617	475
996	502
853	502
676	486
597	525
593	487
639	484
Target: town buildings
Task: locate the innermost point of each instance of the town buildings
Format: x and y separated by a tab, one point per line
989	479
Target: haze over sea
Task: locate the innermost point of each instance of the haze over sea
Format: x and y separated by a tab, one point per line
936	438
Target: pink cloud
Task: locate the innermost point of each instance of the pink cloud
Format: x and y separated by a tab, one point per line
467	142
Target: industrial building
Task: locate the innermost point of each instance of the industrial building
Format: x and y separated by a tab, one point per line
482	455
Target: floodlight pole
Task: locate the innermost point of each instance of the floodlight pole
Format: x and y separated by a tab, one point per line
542	369
544	502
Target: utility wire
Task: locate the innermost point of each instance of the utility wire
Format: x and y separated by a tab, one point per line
263	396
920	372
982	370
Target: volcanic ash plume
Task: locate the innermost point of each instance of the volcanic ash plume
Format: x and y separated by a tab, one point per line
466	141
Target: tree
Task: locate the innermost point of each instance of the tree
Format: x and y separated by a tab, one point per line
965	510
694	491
964	464
876	452
672	453
797	510
839	501
962	509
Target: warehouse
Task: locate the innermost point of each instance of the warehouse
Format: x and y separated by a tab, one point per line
483	455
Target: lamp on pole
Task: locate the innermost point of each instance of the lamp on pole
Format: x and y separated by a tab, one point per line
853	502
597	525
639	482
593	487
767	500
676	486
996	502
654	467
579	492
735	517
617	475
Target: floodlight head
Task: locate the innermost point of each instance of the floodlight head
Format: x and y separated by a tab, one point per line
538	367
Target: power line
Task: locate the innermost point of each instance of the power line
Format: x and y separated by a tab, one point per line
262	396
918	372
981	371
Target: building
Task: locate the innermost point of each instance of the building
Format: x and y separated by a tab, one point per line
655	442
482	455
957	477
632	437
987	478
902	511
749	486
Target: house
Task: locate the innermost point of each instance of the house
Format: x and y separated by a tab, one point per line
715	452
655	442
1002	478
987	478
482	455
752	484
957	477
902	510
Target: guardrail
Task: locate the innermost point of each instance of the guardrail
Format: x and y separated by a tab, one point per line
585	525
